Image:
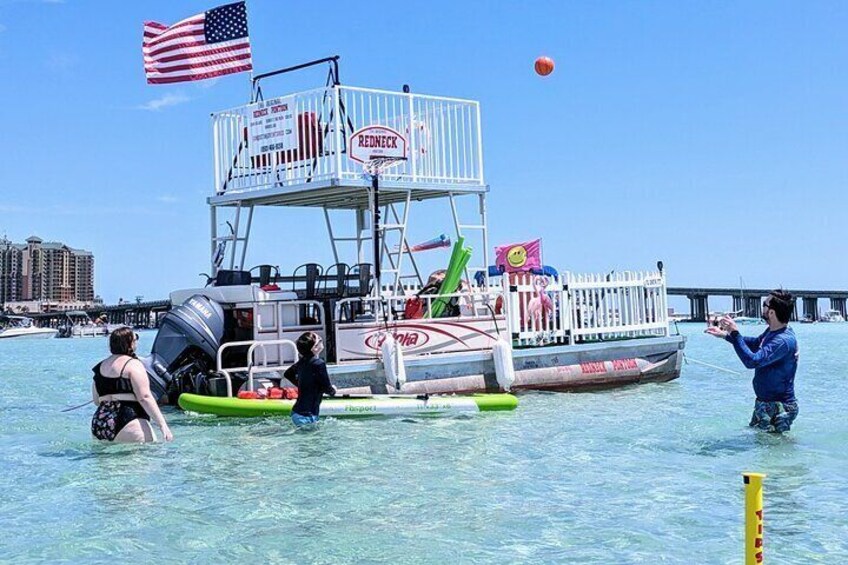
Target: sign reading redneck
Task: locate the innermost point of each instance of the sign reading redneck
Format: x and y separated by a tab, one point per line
372	142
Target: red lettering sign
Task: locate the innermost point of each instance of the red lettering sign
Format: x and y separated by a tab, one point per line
593	368
260	113
406	338
624	365
381	141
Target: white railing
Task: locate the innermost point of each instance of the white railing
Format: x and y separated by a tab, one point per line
575	308
479	302
537	309
251	367
444	141
618	305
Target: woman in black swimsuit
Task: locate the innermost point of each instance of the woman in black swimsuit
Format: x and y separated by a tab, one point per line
122	394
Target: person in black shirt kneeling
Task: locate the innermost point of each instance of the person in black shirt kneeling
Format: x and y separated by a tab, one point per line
310	376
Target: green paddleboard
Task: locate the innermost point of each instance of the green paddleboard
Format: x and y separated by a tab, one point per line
376	405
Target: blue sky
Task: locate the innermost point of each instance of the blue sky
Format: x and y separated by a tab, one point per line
711	135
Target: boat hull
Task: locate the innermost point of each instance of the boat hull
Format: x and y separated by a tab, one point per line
566	368
351	407
29	333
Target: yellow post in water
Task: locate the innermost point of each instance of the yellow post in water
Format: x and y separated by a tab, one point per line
753	518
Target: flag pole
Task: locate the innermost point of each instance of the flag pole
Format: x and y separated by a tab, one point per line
252	85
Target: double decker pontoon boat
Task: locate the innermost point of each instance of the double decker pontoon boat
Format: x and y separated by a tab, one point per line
302	150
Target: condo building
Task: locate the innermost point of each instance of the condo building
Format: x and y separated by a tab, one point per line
45	271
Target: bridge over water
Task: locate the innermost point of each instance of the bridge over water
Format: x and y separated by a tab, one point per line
750	301
147	314
135	314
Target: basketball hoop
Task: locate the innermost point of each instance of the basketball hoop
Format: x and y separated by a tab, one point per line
379	164
377	148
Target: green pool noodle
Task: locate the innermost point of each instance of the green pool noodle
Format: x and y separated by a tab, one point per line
435	304
459	260
440	303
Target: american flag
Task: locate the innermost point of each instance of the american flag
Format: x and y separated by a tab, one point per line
207	45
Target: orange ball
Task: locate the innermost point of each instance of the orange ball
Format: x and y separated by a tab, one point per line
544	66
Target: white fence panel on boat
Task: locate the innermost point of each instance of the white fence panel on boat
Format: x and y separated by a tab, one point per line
303	138
618	305
537	309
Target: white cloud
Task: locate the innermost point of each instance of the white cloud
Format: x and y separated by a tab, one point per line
208	83
170	99
167	199
61	62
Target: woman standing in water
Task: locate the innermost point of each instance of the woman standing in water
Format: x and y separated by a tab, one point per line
121	392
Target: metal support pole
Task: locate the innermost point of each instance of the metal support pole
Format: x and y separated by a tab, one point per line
360	227
484	221
213	217
375	232
330	231
246	237
235	236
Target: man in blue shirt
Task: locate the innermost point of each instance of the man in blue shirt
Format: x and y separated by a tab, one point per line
774	358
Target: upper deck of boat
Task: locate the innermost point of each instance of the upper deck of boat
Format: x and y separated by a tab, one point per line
293	150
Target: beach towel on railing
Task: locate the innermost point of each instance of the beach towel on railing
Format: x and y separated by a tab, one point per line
519	257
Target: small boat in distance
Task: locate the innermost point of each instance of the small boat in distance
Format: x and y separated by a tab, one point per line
79	324
736	317
747	320
831	316
21	327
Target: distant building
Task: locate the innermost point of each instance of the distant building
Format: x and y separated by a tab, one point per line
45	271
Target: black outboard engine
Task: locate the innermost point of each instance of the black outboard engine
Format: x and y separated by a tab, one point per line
185	347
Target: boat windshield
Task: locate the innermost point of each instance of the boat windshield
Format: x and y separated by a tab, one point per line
15	322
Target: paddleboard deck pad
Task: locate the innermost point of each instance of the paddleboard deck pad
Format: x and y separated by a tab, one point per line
340	407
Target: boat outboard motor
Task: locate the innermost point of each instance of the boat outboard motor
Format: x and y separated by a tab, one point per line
186	345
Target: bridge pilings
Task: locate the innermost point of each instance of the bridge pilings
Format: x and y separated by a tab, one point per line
737	304
838	304
699	307
811	307
753	306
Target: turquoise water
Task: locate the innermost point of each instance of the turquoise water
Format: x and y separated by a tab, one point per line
644	474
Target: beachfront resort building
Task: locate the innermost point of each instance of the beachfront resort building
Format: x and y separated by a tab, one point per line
45	271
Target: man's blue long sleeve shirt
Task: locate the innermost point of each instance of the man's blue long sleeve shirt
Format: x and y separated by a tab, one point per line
773	356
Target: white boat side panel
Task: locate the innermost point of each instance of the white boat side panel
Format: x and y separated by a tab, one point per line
417	337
